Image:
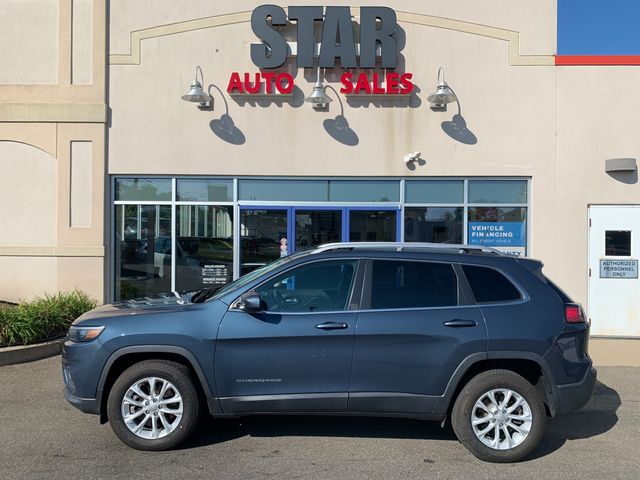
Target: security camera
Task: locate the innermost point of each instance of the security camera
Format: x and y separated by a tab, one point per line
411	157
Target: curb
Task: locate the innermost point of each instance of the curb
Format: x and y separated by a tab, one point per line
30	353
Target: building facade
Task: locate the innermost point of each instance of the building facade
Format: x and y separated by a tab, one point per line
113	184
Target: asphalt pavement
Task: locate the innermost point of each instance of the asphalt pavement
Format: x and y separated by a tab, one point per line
43	437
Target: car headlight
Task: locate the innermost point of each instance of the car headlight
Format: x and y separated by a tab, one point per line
84	334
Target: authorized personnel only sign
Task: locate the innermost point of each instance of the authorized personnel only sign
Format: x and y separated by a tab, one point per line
618	268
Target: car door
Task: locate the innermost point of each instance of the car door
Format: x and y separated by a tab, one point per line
295	355
417	325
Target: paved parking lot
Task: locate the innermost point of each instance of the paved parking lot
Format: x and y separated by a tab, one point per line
41	436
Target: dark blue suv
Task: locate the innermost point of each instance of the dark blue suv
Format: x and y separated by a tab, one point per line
410	330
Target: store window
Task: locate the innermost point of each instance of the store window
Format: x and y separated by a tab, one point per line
364	191
143	189
433	224
149	259
284	190
502	227
315	227
497	191
204	246
372	225
320	190
434	191
204	190
181	240
262	235
142	250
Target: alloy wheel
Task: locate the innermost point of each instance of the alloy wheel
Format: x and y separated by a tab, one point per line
501	419
152	408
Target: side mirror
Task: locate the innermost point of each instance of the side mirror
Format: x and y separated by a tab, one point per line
250	303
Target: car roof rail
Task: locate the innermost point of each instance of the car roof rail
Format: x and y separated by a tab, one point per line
410	246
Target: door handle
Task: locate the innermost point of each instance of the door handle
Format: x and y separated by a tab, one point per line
460	323
331	326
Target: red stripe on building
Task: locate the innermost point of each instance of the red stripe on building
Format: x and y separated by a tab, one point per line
597	59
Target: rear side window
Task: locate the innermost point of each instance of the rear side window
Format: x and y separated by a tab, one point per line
489	285
397	284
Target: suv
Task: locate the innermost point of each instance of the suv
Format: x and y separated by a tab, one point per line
423	331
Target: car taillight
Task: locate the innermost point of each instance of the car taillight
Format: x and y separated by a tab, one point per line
573	313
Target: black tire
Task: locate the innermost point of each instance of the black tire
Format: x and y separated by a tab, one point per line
474	391
174	373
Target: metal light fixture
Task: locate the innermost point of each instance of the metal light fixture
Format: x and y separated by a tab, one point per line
318	97
197	95
443	94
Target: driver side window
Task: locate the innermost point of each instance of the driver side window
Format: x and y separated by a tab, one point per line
316	287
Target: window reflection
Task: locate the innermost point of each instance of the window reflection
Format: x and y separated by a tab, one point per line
497	191
204	247
433	224
434	191
143	234
204	190
315	227
263	237
372	226
143	189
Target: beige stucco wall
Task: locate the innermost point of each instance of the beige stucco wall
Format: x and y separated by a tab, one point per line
29	50
42	112
589	132
28	195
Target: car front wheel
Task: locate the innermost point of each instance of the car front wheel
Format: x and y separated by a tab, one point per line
499	416
153	405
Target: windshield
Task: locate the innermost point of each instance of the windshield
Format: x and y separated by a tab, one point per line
249	277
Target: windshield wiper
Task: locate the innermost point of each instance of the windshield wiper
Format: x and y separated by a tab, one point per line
204	294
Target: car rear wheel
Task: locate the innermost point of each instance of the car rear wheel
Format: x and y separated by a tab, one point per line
499	416
153	405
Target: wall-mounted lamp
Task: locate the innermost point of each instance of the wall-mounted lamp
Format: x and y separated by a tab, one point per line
197	95
318	96
618	165
444	94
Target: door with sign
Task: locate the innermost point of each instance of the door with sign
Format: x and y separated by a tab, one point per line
614	287
264	233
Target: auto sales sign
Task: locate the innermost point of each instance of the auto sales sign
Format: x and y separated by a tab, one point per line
340	44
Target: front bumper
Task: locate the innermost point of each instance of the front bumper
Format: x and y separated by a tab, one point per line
82	363
574	396
87	405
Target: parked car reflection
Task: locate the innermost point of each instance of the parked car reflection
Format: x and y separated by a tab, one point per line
201	262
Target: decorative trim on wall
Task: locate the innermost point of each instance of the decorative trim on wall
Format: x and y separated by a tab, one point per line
137	36
510	36
597	60
44	251
53	112
80	180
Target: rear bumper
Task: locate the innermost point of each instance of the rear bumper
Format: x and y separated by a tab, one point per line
574	396
87	405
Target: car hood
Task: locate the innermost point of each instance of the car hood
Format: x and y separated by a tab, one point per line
138	306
